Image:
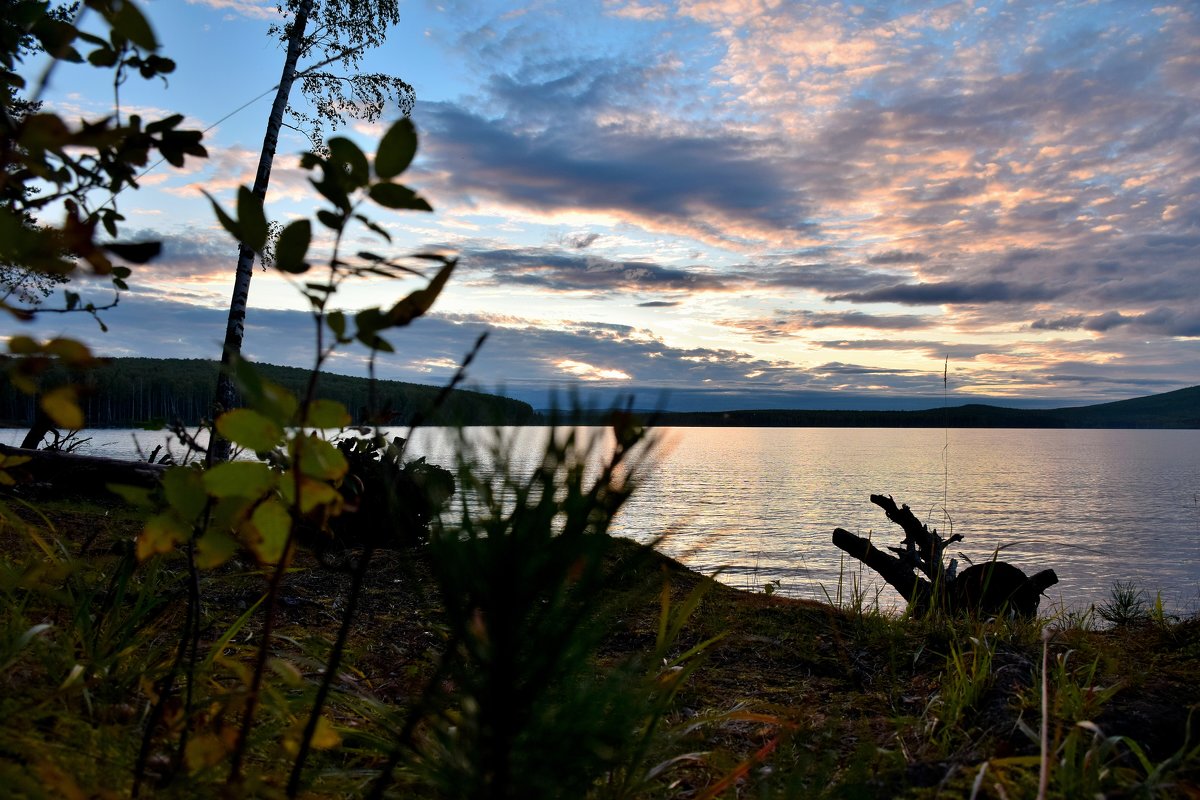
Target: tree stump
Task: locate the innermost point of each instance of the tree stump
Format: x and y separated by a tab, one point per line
918	573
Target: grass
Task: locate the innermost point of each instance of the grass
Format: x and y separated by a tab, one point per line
765	696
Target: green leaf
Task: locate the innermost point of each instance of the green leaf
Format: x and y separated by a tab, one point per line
129	22
239	479
331	220
387	237
421	300
249	429
319	459
277	403
346	156
102	57
369	321
393	195
185	492
164	124
137	252
229	513
267	532
337	323
327	413
227	222
292	246
396	149
214	548
252	219
134	495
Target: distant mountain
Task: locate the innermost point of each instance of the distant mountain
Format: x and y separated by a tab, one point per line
1177	409
128	392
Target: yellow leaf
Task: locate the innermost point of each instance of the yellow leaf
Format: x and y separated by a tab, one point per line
161	534
62	406
58	783
267	531
313	494
288	671
23	346
324	736
204	750
70	351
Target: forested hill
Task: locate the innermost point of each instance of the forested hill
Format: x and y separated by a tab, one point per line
127	392
1177	409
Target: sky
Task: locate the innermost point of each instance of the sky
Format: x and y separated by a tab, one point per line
714	204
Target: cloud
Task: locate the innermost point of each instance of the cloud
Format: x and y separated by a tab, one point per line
631	9
1160	321
252	9
580	241
897	257
565	271
935	350
952	293
786	324
736	196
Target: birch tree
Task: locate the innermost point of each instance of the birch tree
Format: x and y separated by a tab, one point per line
330	37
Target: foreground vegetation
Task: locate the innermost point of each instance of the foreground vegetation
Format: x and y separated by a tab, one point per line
321	622
502	663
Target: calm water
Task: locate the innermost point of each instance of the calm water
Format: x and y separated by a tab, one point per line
761	503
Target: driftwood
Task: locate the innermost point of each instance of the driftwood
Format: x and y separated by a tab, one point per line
918	573
80	474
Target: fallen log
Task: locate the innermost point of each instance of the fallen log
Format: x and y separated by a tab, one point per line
76	474
918	573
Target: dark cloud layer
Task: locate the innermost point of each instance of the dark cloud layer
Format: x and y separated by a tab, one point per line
1160	321
612	170
785	324
952	292
567	271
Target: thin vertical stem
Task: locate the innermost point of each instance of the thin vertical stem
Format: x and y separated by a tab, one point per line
1044	773
331	669
260	664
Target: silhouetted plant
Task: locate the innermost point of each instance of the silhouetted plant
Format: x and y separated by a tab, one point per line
1126	605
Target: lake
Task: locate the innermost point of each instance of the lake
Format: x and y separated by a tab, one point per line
1097	506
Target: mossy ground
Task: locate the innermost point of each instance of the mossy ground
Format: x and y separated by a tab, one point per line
844	703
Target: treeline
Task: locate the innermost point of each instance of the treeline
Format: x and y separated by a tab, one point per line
1177	409
129	392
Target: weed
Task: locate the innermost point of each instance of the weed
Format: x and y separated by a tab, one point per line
1126	605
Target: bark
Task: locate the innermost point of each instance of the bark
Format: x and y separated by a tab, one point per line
923	548
235	328
42	424
898	574
990	588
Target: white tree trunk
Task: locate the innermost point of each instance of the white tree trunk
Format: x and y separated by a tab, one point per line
235	328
